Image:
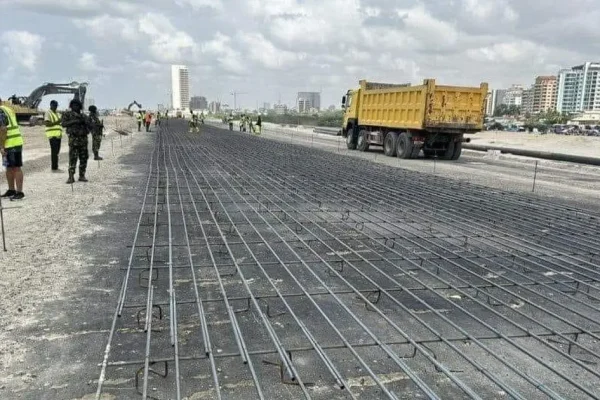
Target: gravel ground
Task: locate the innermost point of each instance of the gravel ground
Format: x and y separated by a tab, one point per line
46	262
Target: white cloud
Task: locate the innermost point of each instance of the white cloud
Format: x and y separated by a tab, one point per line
487	9
510	52
167	43
22	48
88	62
430	32
264	52
220	47
106	27
199	4
151	31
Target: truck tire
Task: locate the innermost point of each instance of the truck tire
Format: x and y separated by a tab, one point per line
416	151
449	152
351	140
457	150
362	143
390	143
404	147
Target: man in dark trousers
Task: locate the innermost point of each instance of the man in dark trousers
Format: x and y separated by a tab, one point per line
139	117
78	128
53	133
97	127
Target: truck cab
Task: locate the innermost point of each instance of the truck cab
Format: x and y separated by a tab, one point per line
350	107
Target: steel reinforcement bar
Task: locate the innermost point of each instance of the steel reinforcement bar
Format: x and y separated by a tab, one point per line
260	269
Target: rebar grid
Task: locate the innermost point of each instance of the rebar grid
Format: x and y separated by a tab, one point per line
353	279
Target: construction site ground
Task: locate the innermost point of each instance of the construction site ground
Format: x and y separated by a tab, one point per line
68	247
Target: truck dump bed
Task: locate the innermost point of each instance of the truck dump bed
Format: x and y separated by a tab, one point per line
425	107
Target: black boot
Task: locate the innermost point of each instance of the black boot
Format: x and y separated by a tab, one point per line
71	179
82	178
97	157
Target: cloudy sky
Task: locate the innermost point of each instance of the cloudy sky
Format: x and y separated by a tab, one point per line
271	49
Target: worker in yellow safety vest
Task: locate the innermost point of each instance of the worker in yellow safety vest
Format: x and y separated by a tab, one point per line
54	133
11	149
140	118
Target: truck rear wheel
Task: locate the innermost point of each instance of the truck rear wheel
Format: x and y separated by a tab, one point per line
350	140
449	152
362	143
457	150
390	143
405	147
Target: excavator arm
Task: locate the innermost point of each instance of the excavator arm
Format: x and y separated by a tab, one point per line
77	89
134	103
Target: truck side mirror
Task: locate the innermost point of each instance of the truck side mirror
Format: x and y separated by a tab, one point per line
343	100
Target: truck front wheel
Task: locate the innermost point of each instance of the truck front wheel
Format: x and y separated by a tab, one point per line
350	140
405	147
362	144
390	143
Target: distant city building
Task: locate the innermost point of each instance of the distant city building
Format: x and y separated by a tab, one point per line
513	96
579	88
545	93
304	105
180	87
214	107
312	98
489	105
528	99
198	103
265	107
497	98
280	109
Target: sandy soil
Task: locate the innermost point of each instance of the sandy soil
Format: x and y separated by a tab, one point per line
43	262
575	145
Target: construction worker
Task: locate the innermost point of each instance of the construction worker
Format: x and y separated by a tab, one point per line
78	127
230	121
54	133
259	124
193	124
250	125
157	120
139	118
148	120
97	128
11	149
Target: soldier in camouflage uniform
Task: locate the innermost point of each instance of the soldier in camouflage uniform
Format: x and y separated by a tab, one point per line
78	127
97	127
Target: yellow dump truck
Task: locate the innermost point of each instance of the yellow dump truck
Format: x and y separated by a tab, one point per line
407	119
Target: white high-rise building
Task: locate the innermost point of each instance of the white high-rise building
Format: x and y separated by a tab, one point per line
579	88
180	87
